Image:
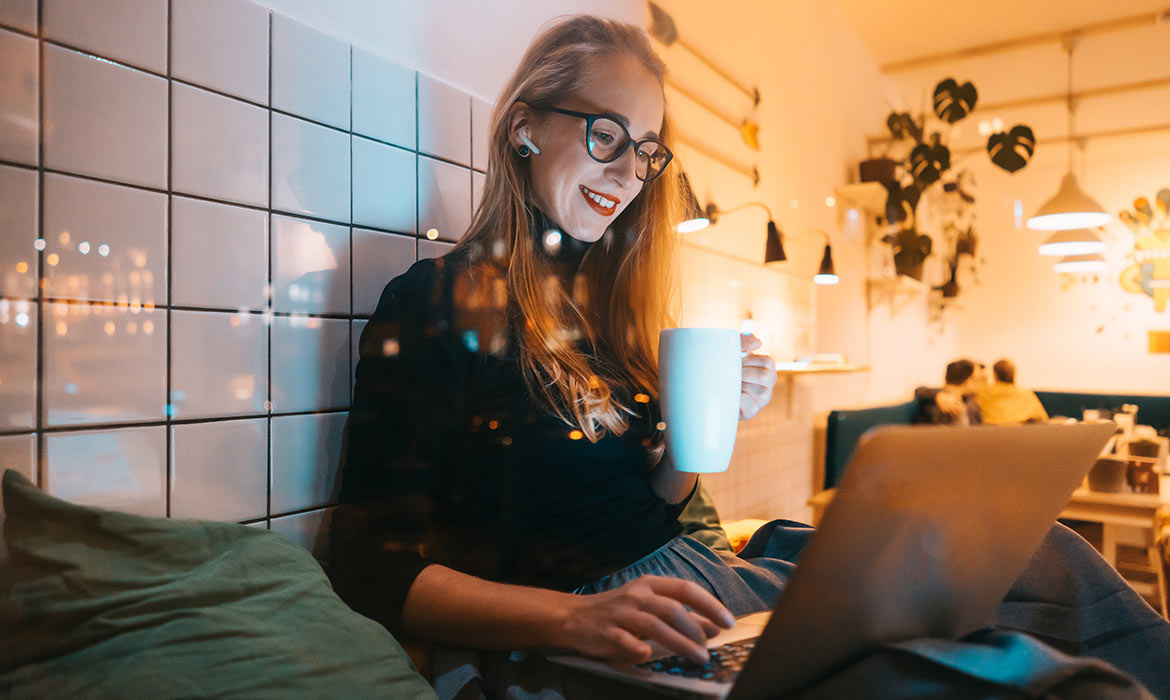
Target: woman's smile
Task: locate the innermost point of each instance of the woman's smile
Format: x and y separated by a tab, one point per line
603	204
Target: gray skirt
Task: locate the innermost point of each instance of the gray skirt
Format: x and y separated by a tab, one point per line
1069	627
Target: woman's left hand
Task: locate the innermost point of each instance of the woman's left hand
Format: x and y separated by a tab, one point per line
759	376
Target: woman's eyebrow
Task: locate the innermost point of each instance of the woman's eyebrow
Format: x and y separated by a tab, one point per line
621	118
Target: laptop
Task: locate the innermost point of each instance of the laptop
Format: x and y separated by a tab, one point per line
928	530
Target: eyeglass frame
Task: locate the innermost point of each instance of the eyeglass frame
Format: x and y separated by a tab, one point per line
630	142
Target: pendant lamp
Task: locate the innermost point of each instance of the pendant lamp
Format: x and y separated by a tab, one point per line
1080	263
1070	207
1079	241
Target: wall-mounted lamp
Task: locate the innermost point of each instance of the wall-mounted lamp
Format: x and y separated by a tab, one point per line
826	274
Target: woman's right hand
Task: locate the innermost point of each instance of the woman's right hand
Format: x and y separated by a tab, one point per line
616	626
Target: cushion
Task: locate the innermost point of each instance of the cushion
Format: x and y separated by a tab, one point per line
100	604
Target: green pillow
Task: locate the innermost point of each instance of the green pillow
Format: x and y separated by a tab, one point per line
99	604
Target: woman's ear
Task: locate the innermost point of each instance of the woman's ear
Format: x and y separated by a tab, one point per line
519	119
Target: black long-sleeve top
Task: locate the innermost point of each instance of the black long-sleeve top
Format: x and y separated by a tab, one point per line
449	461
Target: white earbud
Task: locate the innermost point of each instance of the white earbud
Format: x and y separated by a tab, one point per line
528	142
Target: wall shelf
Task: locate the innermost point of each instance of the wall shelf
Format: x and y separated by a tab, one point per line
789	374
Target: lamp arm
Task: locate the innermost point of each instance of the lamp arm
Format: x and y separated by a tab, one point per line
745	205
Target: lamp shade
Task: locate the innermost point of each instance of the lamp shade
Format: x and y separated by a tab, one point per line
1069	208
1079	241
1080	263
695	216
774	246
827	274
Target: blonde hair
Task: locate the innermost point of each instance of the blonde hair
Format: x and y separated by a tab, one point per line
624	291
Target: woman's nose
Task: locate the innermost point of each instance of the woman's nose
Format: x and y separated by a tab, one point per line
623	170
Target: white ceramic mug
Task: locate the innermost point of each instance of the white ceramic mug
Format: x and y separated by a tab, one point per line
700	373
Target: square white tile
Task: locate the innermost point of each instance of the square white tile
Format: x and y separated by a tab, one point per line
219	147
356	327
306	459
481	116
103	364
310	364
444	198
219	471
19	452
310	72
444	120
20	14
108	121
221	44
104	242
18	232
477	183
433	249
18	364
123	469
19	123
384	186
310	530
310	266
377	259
219	363
129	32
383	99
219	255
310	169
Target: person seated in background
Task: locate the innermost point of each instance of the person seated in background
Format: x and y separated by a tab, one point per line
955	403
1005	403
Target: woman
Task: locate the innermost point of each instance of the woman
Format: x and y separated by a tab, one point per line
505	453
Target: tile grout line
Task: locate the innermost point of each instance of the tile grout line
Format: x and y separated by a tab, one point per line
39	459
169	409
269	305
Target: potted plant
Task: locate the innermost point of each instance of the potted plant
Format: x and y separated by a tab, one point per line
926	161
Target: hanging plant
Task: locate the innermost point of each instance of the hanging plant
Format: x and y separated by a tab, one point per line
927	159
1013	150
952	101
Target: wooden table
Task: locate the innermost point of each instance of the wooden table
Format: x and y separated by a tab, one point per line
1118	513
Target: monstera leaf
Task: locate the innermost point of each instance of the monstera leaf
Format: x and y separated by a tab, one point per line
952	101
1011	151
928	162
900	201
902	125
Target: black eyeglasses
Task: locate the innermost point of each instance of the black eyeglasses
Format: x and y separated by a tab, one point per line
606	139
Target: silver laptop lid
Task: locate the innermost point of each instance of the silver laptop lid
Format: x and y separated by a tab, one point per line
928	530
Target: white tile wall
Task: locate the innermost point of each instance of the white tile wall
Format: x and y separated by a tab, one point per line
18	232
305	460
18	364
384	188
219	364
309	530
219	471
19	14
444	198
446	132
309	364
124	469
247	382
19	452
481	115
219	147
310	266
103	364
129	31
222	44
310	73
377	258
104	242
310	169
19	72
108	121
219	255
383	99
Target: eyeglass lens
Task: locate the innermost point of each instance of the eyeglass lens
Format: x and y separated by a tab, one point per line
608	140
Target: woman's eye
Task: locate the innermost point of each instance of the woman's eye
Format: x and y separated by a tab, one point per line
603	137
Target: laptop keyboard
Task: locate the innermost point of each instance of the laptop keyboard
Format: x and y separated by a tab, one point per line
724	665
